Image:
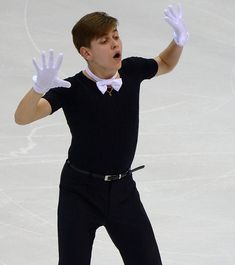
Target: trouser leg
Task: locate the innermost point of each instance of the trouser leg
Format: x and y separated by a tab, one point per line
129	226
77	222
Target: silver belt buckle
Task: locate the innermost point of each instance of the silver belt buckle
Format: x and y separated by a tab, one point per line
106	178
109	177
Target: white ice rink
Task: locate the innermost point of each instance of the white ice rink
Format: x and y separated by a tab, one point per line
186	141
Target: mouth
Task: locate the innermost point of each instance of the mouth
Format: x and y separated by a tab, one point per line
117	56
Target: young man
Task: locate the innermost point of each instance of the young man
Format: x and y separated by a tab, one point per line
101	106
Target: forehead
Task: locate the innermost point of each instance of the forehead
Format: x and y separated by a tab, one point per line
113	30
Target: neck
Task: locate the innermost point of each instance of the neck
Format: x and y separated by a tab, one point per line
98	77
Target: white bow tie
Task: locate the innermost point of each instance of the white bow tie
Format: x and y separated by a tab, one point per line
103	84
114	83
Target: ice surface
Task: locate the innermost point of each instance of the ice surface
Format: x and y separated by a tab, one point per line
186	141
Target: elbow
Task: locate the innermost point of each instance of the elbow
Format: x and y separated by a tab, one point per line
170	68
20	120
164	66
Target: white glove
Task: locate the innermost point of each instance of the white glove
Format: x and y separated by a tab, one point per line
46	77
174	16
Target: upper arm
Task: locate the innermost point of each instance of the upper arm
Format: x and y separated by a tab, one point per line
31	108
163	67
43	109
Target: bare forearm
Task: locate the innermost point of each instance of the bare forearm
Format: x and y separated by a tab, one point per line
27	107
170	56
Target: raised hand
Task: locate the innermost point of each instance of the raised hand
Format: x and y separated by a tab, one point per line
46	77
174	17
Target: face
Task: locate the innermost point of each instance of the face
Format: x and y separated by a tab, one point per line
105	54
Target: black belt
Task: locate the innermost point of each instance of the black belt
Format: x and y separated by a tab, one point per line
104	177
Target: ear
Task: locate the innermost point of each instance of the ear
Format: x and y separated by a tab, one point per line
85	53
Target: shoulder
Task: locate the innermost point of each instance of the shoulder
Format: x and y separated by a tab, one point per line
138	60
132	60
75	78
145	67
75	81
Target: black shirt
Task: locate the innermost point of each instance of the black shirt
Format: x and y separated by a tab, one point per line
104	128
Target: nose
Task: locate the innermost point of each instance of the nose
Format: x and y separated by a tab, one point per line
115	44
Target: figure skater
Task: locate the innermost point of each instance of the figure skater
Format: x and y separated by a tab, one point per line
101	106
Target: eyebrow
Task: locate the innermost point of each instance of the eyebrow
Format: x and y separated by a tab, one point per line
106	34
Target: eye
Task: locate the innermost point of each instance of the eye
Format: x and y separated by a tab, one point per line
103	41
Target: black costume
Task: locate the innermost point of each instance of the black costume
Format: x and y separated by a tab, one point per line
104	136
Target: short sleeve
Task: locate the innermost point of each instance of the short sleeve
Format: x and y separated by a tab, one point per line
142	68
57	97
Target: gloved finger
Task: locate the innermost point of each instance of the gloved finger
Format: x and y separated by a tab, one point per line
43	57
38	69
51	58
168	13
171	22
172	11
179	11
58	61
64	83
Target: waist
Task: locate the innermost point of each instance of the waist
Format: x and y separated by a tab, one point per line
105	177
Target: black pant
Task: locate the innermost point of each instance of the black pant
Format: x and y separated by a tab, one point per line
86	203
